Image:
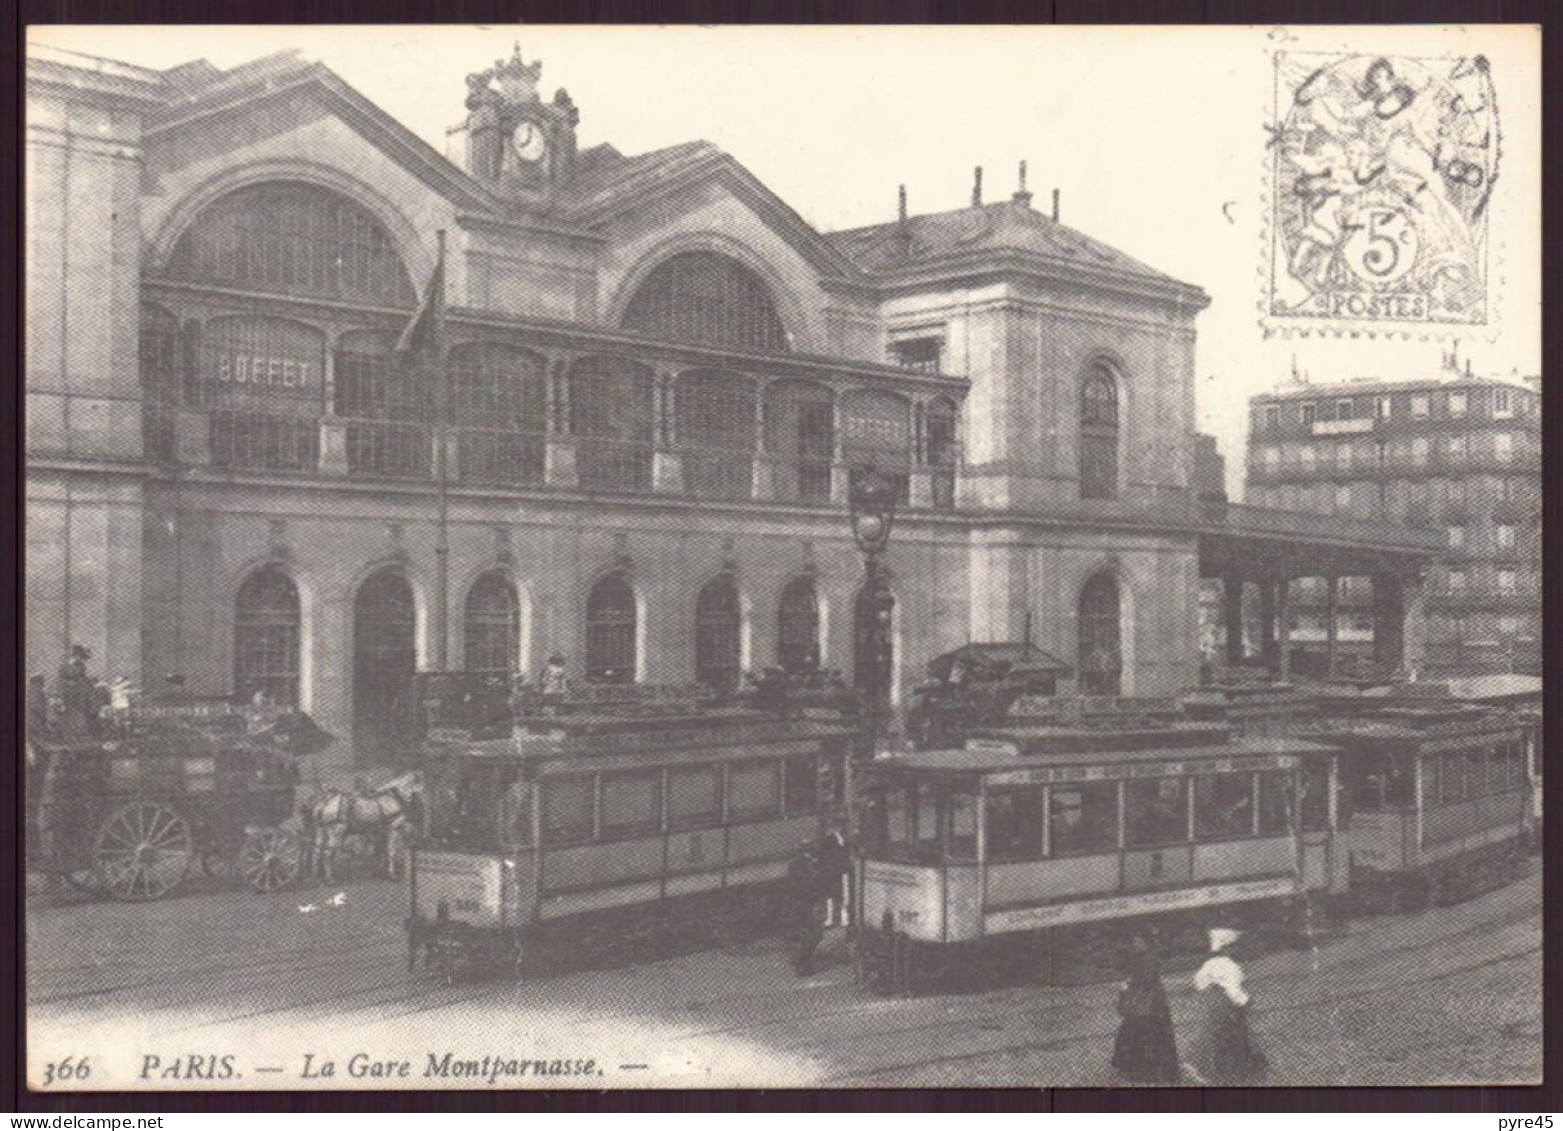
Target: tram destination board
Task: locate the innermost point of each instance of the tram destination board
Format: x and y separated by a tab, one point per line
638	558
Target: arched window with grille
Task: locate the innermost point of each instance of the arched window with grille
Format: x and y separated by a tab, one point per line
291	238
1101	653
797	626
613	417
387	407
1099	434
800	437
499	403
707	299
716	429
267	638
162	379
719	635
493	628
611	627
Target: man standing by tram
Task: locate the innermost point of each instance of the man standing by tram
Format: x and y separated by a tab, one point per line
805	908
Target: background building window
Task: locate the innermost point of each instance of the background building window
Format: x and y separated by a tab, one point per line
716	431
266	637
1456	537
1385	407
719	635
1308	414
493	630
706	299
1419	404
1505	536
1101	658
294	239
1456	581
1457	404
1272	417
499	405
1099	434
1503	447
611	626
921	355
1502	404
613	418
797	627
1506	582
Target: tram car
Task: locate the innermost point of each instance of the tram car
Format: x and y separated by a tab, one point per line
1438	797
131	806
613	807
1051	831
1253	708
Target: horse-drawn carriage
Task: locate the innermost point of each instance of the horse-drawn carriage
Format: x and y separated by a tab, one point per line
129	806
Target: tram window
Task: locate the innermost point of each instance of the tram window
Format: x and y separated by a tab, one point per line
832	777
1084	818
567	810
1314	810
1015	823
897	822
515	809
926	824
1475	774
694	797
1275	802
1223	806
1432	781
801	782
754	790
1452	771
631	804
1157	811
1399	783
961	834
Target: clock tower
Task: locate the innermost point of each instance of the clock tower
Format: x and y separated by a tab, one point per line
512	139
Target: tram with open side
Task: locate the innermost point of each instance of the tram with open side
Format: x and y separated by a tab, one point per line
621	808
1036	835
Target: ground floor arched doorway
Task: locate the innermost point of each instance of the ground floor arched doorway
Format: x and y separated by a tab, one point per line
385	656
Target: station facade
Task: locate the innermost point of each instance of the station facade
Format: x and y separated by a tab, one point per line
634	447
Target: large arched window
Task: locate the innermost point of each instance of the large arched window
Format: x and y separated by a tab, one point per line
716	428
800	436
1101	653
499	401
493	631
719	635
388	409
610	631
797	626
1099	434
296	239
385	656
266	638
162	379
613	417
706	299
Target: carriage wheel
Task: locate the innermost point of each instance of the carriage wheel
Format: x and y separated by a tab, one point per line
144	850
270	859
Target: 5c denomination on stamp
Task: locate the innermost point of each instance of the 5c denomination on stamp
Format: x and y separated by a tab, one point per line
1382	171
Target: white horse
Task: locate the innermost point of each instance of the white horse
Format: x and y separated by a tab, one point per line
383	817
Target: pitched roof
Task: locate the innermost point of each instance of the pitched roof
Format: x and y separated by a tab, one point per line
1008	225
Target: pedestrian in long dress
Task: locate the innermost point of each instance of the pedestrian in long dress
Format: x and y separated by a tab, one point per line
1225	1052
1146	1050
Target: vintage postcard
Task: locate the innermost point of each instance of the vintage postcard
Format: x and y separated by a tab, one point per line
763	557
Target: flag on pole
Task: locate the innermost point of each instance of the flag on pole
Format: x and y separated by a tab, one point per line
427	327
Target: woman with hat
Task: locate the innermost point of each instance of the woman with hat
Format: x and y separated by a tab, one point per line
1146	1051
1225	1052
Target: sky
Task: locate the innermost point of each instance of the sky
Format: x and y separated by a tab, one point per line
1155	138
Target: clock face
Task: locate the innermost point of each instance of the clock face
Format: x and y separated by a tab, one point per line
529	142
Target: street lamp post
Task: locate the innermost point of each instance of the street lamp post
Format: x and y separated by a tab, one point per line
871	501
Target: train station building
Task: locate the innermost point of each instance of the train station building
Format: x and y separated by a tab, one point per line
654	380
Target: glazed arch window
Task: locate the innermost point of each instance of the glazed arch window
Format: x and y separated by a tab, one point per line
296	239
613	417
1101	657
716	429
267	638
797	629
719	635
611	627
1099	427
493	629
705	298
499	406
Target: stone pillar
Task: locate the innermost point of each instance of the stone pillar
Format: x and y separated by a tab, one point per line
1283	620
920	488
1389	647
763	485
559	468
1232	594
1331	614
193	439
667	473
333	447
1267	622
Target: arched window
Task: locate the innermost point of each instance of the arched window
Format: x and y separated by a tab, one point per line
499	401
719	635
797	627
706	299
295	239
800	436
493	625
162	379
610	631
266	638
716	432
1099	434
388	408
1101	655
385	656
613	417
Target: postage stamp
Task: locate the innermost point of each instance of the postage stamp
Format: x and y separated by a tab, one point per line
1381	173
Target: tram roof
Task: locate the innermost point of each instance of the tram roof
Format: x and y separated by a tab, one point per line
983	760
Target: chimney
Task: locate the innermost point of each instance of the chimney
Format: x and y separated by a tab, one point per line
1055	206
901	214
1022	197
976	188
